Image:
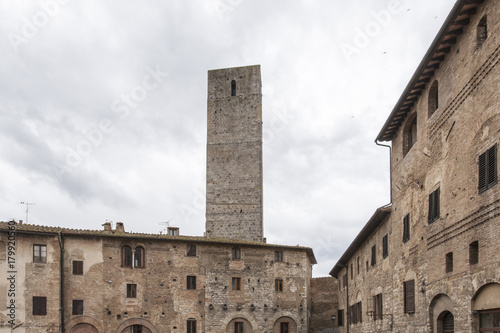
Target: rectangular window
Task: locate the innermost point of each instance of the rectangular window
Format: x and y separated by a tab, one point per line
191	326
433	206
340	317
356	313
385	246
409	296
374	255
283	327
77	267
77	307
406	228
131	290
191	250
473	253
344	280
449	262
39	306
236	283
191	282
357	263
352	271
278	285
39	253
377	307
238	327
488	169
236	253
278	256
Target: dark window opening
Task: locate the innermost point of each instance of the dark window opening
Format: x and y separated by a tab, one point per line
191	250
77	307
377	307
236	253
482	31
39	306
39	253
447	321
474	253
191	282
278	256
410	134
283	327
340	317
233	88
406	228
139	257
374	255
449	262
356	311
409	296
433	206
126	256
77	267
352	272
238	327
488	169
385	246
433	99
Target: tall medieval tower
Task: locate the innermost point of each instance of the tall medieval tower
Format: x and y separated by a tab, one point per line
234	154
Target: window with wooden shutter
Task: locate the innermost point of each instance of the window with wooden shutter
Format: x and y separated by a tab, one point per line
77	307
406	228
434	206
39	306
487	173
409	296
191	326
377	307
191	282
374	255
77	267
449	262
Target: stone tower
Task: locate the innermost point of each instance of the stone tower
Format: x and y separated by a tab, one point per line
234	154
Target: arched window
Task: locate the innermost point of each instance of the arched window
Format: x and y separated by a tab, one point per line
433	99
233	88
126	256
410	134
139	257
482	31
446	322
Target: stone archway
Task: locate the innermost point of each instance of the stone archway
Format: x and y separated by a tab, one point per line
486	308
239	324
84	328
440	305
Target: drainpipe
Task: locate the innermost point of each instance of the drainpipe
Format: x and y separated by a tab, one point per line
61	283
390	167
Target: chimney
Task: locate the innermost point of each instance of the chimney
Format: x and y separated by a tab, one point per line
107	226
173	231
119	227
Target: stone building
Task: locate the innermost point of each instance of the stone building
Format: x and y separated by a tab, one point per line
229	280
428	262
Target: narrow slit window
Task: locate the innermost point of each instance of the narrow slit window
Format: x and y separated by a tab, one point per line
474	253
482	31
449	262
433	99
233	88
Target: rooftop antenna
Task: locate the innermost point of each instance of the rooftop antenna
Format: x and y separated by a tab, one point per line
28	204
167	223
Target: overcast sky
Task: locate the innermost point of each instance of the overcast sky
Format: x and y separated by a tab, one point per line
103	109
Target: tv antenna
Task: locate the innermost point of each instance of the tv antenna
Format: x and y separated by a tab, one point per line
167	223
28	204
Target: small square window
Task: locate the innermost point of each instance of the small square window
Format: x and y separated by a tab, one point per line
191	282
39	253
77	307
131	290
278	256
77	267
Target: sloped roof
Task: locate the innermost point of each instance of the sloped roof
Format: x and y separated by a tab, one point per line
32	228
458	18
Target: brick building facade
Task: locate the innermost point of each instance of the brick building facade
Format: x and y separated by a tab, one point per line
428	262
230	280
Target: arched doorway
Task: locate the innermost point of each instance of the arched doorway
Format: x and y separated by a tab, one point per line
285	325
446	322
136	329
486	306
239	325
84	328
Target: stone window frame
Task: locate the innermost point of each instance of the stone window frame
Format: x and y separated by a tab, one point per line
278	256
191	325
126	255
40	253
278	285
236	253
236	283
77	307
191	250
139	260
